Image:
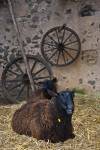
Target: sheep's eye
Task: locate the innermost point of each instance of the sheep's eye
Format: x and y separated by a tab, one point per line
59	120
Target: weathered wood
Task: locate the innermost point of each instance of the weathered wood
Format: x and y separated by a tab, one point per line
11	9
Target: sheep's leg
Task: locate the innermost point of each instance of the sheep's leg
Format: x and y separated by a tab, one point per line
36	130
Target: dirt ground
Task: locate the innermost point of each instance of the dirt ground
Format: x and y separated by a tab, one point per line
86	121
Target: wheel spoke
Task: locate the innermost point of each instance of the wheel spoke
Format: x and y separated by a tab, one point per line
15	86
50	44
63	57
28	91
68	37
19	68
63	36
39	71
71	43
14	80
37	78
33	66
52	39
58	57
68	54
21	90
47	50
53	54
57	36
13	72
71	48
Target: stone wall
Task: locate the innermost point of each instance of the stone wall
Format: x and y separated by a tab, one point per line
35	17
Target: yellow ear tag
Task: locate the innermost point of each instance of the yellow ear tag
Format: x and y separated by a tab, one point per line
59	120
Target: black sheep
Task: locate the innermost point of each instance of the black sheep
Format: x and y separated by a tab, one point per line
42	92
46	119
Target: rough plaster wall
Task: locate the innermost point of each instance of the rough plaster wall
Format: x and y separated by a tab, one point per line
35	17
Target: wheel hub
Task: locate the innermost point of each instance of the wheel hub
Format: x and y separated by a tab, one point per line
60	46
25	79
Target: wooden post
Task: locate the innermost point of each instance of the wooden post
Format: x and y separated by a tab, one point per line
11	9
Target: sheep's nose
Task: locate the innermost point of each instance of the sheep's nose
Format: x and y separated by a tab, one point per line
69	111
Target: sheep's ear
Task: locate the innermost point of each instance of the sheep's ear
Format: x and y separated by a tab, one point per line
51	93
54	79
73	92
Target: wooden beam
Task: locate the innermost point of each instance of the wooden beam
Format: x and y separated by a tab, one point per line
11	9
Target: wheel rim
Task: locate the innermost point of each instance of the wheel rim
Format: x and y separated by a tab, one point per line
15	81
60	47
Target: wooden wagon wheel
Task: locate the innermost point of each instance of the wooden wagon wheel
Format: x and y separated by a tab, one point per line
60	46
15	81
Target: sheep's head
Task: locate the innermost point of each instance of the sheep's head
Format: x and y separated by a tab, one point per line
64	100
49	85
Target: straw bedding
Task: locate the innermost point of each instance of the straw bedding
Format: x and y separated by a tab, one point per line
86	121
